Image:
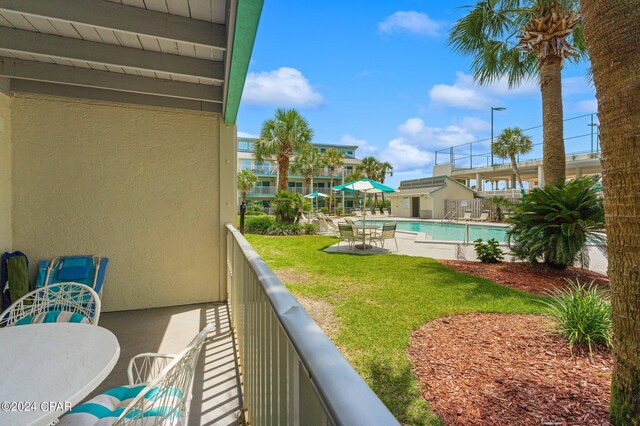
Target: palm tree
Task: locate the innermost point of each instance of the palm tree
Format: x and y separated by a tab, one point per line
308	163
370	167
246	180
524	39
611	29
384	169
334	159
354	176
287	132
511	143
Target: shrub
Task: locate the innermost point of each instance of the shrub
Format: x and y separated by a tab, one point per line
258	224
310	228
288	205
553	223
285	228
582	314
489	252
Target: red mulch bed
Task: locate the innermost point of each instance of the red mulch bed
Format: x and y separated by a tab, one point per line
506	369
538	279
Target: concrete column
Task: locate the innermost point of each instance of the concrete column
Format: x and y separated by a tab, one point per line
228	198
540	177
479	186
578	172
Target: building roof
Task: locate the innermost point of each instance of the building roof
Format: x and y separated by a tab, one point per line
186	54
414	191
426	185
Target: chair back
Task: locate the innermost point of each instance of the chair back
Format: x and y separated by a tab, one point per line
389	229
88	270
348	221
484	216
63	302
166	399
345	230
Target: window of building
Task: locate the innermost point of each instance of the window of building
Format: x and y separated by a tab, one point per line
349	169
245	146
246	164
349	153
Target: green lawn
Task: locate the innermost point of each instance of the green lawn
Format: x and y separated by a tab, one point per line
379	301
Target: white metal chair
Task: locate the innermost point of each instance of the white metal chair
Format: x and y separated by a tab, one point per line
467	216
158	393
62	302
347	235
388	233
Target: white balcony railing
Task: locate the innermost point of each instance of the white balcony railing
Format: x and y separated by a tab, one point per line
292	373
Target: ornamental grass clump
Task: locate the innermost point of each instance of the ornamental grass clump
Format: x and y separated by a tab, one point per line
582	314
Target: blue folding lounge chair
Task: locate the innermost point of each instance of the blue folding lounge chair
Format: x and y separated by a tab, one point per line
88	270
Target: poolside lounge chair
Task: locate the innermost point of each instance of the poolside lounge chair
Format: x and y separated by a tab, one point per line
388	233
357	213
347	235
484	216
467	216
62	302
158	393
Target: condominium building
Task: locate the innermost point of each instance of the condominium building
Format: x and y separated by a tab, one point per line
267	171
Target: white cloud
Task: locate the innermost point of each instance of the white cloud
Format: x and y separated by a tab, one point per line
282	87
587	105
413	149
246	135
364	148
416	132
466	94
475	124
410	22
405	156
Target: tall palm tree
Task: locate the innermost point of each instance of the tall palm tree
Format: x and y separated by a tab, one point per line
308	163
246	180
524	39
370	167
334	159
511	143
384	169
611	29
281	136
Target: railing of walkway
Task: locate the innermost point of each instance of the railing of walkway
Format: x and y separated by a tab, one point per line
292	373
581	138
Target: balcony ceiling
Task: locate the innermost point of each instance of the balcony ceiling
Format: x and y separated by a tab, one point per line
171	53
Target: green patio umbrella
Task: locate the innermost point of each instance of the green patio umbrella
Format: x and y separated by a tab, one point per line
368	186
316	195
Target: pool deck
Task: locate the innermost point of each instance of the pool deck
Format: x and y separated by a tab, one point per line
414	244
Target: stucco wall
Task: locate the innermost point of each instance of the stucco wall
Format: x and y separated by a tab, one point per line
5	173
139	185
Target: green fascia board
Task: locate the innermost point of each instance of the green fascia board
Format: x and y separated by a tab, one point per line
246	26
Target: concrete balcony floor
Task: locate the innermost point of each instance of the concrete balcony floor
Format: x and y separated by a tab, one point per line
216	389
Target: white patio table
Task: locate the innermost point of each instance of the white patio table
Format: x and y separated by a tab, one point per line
366	229
49	368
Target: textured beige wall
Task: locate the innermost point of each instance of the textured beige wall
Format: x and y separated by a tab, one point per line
5	173
139	185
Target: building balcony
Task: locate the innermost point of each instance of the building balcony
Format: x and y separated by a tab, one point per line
267	362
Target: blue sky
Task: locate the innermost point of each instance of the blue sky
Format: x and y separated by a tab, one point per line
380	75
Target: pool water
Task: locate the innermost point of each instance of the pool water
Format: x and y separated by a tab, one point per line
450	231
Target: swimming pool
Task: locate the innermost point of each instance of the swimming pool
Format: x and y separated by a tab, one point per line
450	231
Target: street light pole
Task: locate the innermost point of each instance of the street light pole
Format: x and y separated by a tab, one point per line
493	109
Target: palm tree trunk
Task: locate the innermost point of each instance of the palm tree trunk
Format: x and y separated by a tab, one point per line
611	29
283	172
514	166
244	196
553	162
330	189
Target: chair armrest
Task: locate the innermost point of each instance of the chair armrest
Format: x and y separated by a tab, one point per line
147	366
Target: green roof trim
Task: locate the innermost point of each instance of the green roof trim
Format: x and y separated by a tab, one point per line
246	26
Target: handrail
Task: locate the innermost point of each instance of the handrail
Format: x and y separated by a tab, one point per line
343	395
